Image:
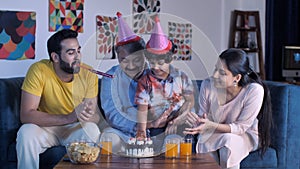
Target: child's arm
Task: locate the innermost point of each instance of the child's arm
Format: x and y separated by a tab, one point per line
142	121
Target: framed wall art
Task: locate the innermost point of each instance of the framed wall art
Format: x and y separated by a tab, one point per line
144	13
106	36
66	14
181	35
17	35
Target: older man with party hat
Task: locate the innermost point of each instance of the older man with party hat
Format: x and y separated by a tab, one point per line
117	94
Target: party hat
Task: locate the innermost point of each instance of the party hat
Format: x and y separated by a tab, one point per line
125	34
158	42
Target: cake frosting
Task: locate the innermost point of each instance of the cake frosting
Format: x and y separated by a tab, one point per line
139	147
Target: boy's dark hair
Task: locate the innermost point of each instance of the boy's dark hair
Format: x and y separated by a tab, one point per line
54	42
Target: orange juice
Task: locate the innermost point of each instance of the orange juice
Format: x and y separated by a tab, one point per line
106	148
171	150
185	149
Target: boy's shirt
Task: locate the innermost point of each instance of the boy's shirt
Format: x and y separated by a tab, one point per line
159	94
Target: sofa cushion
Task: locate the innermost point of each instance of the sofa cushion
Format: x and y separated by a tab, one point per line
254	160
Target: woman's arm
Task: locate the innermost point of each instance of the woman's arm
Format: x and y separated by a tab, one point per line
203	125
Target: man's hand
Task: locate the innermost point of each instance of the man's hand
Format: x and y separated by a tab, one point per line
86	111
161	121
181	119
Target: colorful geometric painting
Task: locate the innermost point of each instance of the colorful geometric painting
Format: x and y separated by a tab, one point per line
106	36
144	12
181	35
66	14
17	35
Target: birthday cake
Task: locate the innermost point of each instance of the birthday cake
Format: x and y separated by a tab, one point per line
139	147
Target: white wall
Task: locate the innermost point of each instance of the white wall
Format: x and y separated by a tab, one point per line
247	5
210	19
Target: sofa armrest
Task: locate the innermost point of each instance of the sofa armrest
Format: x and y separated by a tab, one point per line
10	96
286	118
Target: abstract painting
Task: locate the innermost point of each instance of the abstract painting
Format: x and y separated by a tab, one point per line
17	35
106	36
144	12
66	14
181	35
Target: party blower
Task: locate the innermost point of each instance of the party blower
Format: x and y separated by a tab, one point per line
97	72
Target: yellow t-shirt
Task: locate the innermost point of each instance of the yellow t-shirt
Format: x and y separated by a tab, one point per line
58	97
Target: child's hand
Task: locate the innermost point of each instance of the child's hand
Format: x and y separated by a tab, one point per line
141	134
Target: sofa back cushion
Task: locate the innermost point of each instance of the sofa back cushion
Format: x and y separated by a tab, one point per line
10	96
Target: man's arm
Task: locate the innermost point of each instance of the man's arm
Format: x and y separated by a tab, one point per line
110	105
30	114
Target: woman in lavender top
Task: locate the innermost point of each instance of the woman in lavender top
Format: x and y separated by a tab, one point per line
235	111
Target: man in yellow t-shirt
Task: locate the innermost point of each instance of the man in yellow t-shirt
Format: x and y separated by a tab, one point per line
59	101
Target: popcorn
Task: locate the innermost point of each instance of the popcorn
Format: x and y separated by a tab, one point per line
82	152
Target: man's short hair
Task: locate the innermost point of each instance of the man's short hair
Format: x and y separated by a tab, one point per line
132	47
54	42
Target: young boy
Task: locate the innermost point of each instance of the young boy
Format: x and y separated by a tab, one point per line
164	89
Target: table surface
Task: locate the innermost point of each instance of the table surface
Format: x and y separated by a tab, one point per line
203	161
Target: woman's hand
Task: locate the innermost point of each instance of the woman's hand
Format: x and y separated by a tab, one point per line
192	119
201	125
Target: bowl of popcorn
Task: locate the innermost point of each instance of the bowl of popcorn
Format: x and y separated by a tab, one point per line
83	152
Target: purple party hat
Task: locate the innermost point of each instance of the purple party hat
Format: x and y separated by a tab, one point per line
125	34
158	42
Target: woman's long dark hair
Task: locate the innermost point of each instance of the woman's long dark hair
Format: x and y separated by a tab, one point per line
237	62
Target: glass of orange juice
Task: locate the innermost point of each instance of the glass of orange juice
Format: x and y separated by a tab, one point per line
106	144
186	147
172	145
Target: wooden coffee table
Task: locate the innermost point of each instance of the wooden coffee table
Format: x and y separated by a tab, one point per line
196	161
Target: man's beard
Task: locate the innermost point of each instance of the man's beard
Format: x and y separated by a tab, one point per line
67	68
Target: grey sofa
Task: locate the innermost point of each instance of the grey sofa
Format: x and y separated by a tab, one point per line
282	154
